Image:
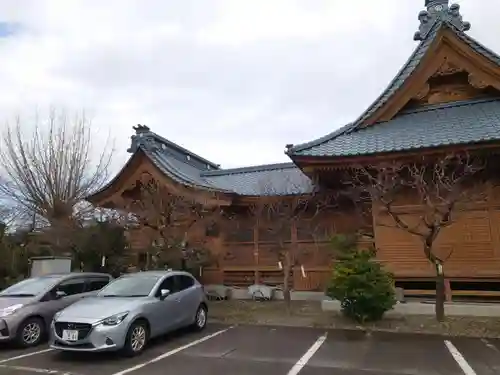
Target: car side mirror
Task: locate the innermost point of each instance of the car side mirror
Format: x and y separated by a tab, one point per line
164	293
60	294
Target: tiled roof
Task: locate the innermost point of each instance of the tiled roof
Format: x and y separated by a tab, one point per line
347	136
440	125
273	179
191	170
478	47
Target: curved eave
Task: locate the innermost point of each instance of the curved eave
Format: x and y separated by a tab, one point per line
409	68
107	190
164	168
340	161
294	152
170	170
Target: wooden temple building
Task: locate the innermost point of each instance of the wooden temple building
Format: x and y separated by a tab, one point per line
445	98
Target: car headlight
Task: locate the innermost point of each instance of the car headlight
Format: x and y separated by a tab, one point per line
57	315
9	310
115	319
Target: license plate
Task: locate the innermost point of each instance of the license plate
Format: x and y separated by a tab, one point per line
70	335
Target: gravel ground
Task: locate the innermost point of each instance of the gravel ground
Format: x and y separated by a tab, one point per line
309	314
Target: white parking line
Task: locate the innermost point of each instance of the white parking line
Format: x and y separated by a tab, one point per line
459	358
307	355
171	352
24	356
36	370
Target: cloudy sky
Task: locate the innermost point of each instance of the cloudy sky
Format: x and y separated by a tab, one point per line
232	80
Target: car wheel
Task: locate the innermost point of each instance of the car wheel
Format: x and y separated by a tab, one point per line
30	333
137	339
200	320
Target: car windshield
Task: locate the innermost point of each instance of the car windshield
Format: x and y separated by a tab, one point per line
130	286
30	287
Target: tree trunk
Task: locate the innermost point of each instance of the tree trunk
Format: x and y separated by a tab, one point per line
440	291
286	283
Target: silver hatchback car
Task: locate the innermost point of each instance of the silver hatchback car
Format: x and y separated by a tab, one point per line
129	311
27	307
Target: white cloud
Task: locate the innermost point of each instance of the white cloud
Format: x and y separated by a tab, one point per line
233	80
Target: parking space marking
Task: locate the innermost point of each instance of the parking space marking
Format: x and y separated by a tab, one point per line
24	356
172	352
307	355
35	370
459	358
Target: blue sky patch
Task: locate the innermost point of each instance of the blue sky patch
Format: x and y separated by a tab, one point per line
7	29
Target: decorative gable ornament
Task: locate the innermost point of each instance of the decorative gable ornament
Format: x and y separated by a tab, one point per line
448	68
439	11
144	138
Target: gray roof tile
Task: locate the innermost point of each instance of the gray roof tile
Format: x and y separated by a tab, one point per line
173	161
273	179
448	124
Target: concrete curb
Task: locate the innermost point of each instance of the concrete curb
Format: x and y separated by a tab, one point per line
427	309
368	331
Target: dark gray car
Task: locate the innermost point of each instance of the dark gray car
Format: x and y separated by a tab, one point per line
27	308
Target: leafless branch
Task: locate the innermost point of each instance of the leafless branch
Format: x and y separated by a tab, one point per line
438	187
51	166
178	219
274	214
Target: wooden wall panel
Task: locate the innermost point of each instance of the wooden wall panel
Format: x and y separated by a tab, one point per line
307	254
315	280
473	242
315	254
212	276
268	255
238	255
468	245
140	238
495	230
242	279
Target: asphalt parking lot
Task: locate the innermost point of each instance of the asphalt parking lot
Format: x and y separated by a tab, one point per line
245	350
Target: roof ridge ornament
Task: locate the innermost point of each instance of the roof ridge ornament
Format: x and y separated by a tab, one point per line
143	137
439	11
140	128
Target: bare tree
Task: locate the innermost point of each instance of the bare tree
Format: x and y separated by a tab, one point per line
274	215
351	202
49	167
178	221
439	188
5	214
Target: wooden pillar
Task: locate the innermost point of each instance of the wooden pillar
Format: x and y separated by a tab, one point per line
447	290
256	253
375	212
294	249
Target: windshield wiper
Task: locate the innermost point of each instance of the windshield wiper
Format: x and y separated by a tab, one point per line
17	295
108	295
133	295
